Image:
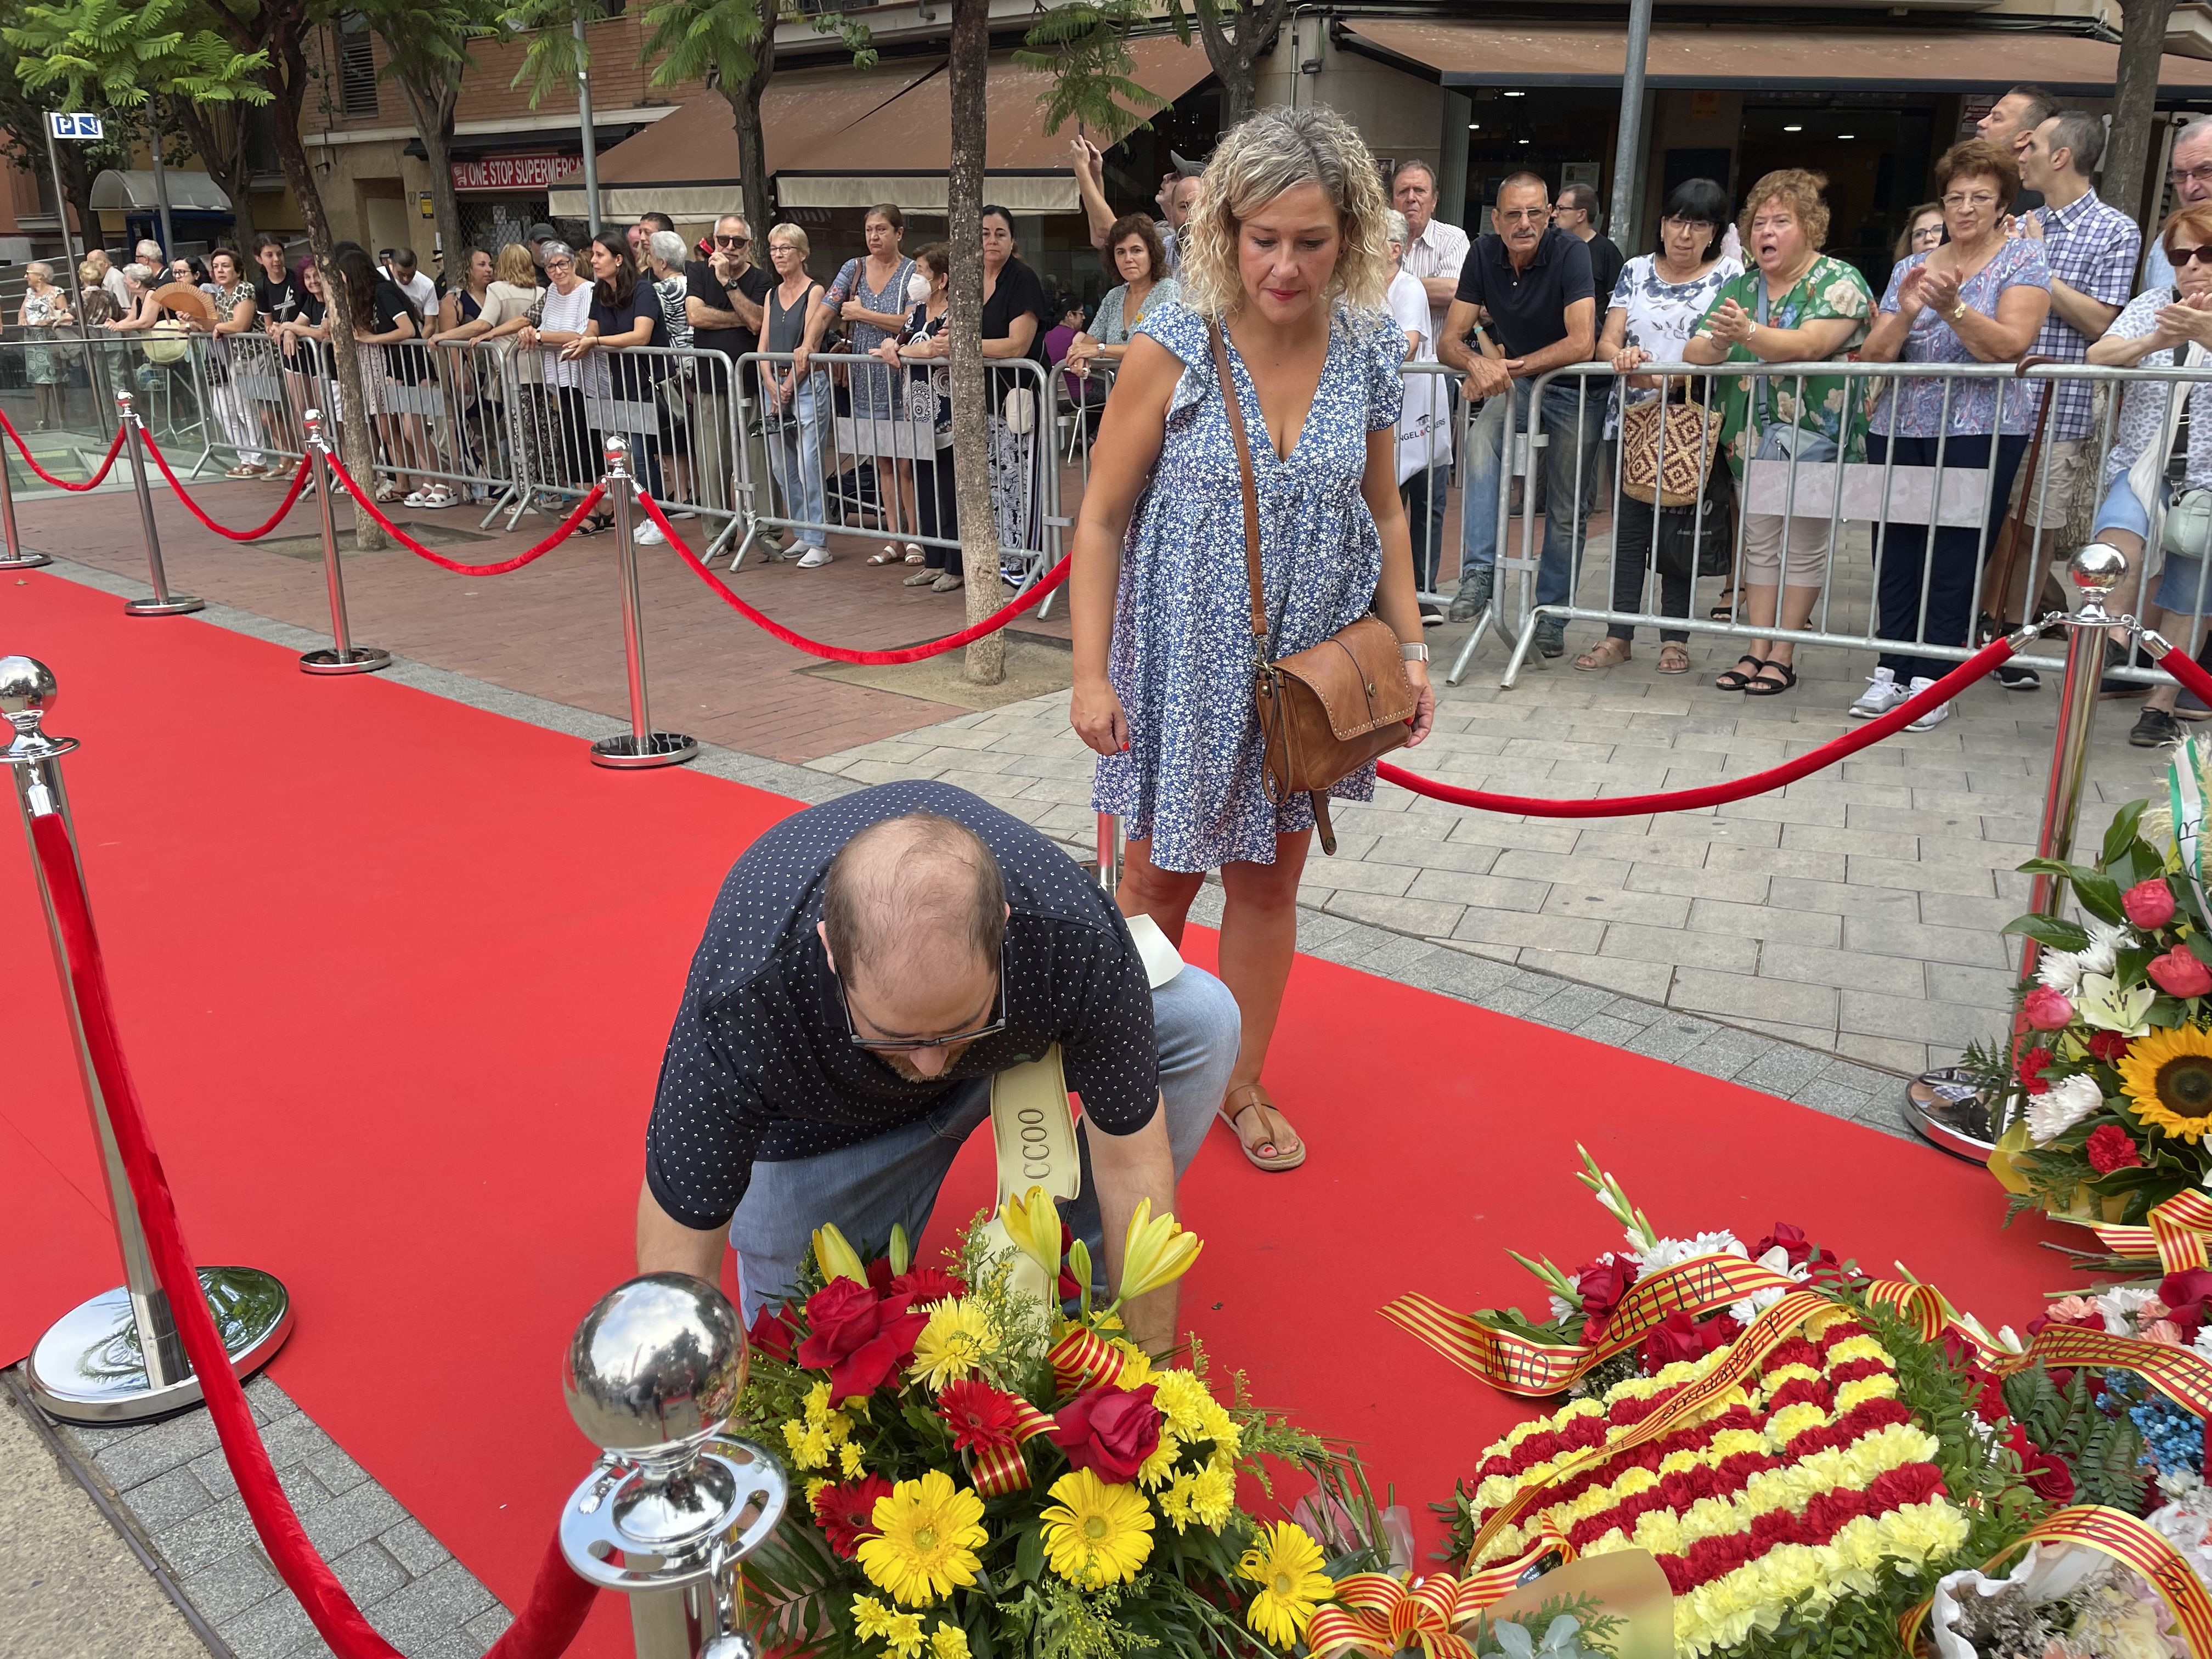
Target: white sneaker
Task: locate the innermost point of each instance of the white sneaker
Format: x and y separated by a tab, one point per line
1882	693
814	558
1934	716
648	535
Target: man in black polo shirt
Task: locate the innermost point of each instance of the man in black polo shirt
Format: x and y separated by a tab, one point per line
1534	282
869	965
722	300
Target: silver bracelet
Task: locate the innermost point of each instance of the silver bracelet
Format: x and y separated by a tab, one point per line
1413	650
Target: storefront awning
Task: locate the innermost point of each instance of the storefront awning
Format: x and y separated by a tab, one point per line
1729	55
115	191
828	132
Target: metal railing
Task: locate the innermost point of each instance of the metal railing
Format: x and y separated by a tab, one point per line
1915	508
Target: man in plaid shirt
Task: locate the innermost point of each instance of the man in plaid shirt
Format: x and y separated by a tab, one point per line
2091	249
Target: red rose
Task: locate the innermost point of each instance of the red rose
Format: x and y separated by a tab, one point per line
2047	1010
2148	903
2187	1293
1108	1431
1790	1239
846	1514
859	1339
2178	973
2030	1068
1682	1337
979	1415
1603	1284
773	1333
2048	1477
2108	1046
2109	1147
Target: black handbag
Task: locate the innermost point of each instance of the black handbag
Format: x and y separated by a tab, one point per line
1698	540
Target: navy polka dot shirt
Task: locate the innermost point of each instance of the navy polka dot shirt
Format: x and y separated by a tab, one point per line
760	1066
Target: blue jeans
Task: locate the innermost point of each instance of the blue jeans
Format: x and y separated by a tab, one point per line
894	1179
1571	426
794	457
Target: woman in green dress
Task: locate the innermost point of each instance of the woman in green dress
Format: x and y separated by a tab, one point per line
1794	305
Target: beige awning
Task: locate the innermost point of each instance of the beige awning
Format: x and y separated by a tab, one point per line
828	133
1711	55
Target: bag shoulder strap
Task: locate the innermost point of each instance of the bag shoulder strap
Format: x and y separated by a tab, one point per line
1231	402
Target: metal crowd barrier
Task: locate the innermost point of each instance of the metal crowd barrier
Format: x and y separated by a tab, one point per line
1813	491
57	389
842	454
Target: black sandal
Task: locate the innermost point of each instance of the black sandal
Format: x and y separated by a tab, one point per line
1735	679
1759	687
1725	611
595	524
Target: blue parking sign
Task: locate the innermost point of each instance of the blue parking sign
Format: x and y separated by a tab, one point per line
74	126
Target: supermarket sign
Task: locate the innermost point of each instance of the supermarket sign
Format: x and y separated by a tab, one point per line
511	172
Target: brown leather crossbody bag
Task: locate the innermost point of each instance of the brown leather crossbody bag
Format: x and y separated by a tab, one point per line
1327	711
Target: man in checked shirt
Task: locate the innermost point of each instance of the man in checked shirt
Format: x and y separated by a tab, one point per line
2091	249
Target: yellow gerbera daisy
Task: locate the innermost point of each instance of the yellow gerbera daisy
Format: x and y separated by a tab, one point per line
1286	1565
2167	1075
1095	1534
952	1344
927	1532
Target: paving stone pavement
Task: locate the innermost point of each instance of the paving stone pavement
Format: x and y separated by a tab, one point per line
1856	911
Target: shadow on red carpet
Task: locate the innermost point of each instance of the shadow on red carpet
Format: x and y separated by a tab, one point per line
394	975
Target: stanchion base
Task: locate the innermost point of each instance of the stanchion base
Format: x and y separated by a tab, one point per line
362	660
1960	1129
87	1367
25	562
176	605
662	749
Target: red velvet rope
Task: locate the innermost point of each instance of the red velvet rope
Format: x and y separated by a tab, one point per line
299	483
1715	795
106	461
365	500
2185	669
558	1601
968	635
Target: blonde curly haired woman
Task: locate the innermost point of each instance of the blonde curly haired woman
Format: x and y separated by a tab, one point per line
1286	251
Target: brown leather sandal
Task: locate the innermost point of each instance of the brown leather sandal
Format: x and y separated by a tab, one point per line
1267	1153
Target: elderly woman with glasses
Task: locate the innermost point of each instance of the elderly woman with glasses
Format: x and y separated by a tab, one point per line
1979	298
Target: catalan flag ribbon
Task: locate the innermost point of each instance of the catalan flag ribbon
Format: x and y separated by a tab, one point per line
2179	1233
1377	1614
1083	1359
998	1467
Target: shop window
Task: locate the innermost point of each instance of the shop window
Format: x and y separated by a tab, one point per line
358	90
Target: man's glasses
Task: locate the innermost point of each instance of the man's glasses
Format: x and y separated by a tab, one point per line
1525	216
909	1045
733	241
2182	256
2203	175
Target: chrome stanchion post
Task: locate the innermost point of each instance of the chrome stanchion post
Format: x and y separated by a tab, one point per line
13	555
1966	1127
652	1377
117	1358
164	602
1110	852
344	657
642	746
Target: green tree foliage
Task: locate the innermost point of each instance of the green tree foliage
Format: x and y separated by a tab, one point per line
1086	45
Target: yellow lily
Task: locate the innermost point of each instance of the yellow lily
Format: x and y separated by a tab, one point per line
1079	1268
901	1249
1032	1222
1158	1252
837	1259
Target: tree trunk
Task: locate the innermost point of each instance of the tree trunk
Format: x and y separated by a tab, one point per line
1234	52
286	73
970	51
218	138
433	107
744	100
2135	106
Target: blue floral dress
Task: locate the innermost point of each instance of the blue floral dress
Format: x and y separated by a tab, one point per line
1182	655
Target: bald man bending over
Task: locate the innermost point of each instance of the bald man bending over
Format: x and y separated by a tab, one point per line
870	965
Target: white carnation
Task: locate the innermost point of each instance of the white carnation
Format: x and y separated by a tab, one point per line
2070	1099
1564	1309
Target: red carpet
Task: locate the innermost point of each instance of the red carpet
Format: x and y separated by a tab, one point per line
395	975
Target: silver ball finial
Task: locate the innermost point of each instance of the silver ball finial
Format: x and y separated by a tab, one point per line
2097	568
25	685
657	1366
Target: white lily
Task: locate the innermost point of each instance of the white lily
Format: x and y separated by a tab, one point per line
2067	1102
2104	1004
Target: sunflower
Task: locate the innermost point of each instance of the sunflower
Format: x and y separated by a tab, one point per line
1095	1534
952	1344
2167	1075
1286	1565
927	1532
